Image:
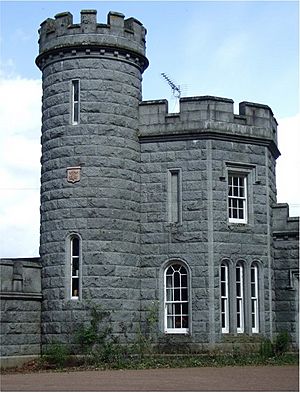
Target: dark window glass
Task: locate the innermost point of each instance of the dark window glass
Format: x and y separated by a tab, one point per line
76	90
184	294
75	247
170	270
176	294
176	279
75	286
183	280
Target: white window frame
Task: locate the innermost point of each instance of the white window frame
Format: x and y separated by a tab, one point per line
172	303
174	196
224	298
237	199
239	286
75	102
75	275
254	298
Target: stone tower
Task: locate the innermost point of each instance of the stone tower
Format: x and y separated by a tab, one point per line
89	242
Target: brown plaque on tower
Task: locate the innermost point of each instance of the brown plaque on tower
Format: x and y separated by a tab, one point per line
73	174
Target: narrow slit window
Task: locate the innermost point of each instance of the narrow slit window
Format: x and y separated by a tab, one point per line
75	101
254	299
75	267
174	197
239	298
224	299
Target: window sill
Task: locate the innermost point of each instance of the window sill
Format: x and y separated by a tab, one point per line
242	227
177	331
237	222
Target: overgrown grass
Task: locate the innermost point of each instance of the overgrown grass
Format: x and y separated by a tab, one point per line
175	361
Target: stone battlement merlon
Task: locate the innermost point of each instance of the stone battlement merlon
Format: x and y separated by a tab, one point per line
207	113
118	32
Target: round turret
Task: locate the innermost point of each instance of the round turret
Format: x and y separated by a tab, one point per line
124	39
90	198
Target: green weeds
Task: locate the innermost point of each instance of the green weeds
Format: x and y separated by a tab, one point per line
99	348
56	355
276	348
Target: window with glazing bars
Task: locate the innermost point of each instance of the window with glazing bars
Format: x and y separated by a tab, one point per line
75	265
239	284
224	298
254	299
176	299
237	198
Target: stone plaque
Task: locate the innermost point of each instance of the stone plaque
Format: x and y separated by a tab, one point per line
73	174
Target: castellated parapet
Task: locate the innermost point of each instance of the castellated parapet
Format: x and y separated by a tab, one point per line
119	38
209	116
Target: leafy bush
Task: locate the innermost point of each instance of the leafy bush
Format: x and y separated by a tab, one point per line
97	342
281	343
96	333
57	354
266	348
145	336
278	347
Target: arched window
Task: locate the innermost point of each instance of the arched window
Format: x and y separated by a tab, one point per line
254	298
176	299
224	298
239	286
75	266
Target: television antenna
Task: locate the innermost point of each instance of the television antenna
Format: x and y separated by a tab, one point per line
175	89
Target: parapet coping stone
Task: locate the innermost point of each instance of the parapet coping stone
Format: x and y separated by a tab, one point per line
27	262
21	295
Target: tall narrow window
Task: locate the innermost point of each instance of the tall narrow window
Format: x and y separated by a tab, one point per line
75	267
174	196
75	101
237	198
224	298
239	298
176	299
254	299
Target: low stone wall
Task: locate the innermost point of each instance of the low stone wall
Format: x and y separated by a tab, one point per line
21	297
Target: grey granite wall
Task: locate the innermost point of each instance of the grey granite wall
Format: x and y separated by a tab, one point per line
102	206
106	180
286	270
205	140
20	308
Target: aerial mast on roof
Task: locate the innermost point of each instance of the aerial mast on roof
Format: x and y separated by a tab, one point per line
175	89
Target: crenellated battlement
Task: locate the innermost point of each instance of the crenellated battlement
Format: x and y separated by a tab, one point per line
118	37
209	114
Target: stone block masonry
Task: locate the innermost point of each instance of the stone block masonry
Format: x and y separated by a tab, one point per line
148	212
286	271
105	62
20	317
205	148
